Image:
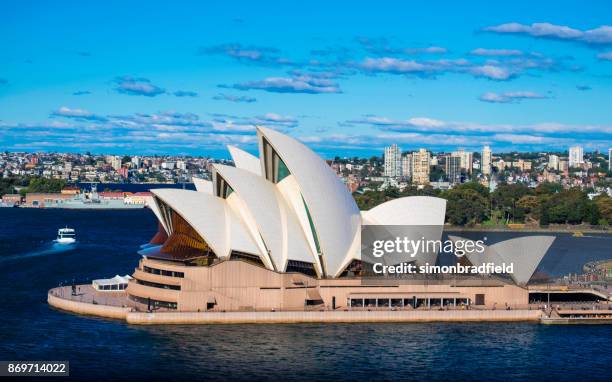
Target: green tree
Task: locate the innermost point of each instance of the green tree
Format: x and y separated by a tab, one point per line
391	193
530	204
45	185
604	207
476	186
504	198
566	207
548	188
465	207
7	185
369	199
592	214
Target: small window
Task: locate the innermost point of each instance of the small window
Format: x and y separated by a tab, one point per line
480	299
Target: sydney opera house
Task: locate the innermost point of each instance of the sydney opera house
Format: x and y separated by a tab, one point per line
282	232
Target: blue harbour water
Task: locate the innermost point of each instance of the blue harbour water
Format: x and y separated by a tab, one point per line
100	349
134	187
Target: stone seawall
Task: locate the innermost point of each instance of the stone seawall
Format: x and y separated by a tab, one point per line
287	317
332	317
87	308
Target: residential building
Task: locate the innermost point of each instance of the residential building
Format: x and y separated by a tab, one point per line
522	165
452	167
576	156
420	167
553	162
136	162
467	160
407	166
115	162
486	160
393	161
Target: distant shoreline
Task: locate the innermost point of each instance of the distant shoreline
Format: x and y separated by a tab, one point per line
447	228
527	229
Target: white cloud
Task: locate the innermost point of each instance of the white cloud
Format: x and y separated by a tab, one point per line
429	49
598	36
492	72
82	114
532	139
425	124
137	86
394	65
496	52
300	84
510	97
68	112
491	69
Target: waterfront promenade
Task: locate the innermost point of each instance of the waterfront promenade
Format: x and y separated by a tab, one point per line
116	305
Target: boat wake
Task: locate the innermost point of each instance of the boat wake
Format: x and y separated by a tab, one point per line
598	236
49	249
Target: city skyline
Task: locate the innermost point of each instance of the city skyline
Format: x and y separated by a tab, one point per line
156	80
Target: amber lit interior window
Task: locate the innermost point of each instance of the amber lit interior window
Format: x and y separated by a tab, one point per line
185	241
160	236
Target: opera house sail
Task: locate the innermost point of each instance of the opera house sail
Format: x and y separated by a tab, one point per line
281	231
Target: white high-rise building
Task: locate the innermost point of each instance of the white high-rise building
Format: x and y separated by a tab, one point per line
576	156
168	165
136	161
407	166
466	160
553	162
485	160
393	161
115	162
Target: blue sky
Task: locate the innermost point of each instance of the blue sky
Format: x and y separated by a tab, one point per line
346	79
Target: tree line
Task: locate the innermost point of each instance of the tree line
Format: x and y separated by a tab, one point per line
30	184
471	203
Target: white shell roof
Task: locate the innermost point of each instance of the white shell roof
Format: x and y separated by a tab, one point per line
209	216
410	210
423	216
333	210
290	191
476	258
203	185
270	220
524	252
240	240
275	222
244	160
150	202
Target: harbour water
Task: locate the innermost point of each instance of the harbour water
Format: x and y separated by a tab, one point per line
134	187
97	349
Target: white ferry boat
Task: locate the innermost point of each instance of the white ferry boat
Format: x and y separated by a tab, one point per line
66	236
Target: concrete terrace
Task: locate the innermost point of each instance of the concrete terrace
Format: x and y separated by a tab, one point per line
88	301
